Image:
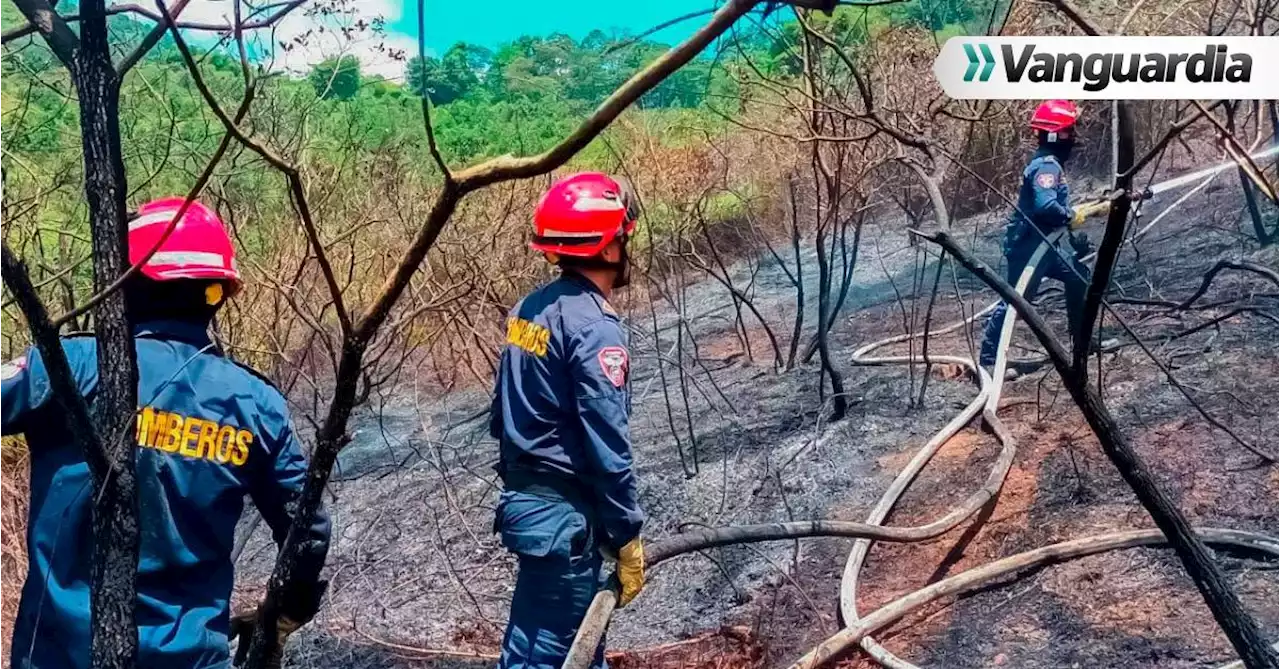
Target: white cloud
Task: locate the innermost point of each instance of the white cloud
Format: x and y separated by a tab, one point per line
307	35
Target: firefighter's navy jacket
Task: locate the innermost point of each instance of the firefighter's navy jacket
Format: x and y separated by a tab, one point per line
208	432
1043	206
1043	194
560	404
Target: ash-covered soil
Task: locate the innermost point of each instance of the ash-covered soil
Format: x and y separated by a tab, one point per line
414	564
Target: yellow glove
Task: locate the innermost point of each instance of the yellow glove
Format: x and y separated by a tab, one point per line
242	626
1086	210
630	571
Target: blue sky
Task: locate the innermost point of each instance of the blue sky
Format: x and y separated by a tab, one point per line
492	22
484	22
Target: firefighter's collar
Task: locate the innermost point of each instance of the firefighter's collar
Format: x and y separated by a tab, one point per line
581	281
192	333
592	288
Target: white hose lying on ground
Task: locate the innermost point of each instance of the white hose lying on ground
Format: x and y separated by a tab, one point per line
980	576
986	402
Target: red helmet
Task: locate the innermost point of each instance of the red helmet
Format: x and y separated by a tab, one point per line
1055	115
197	248
581	213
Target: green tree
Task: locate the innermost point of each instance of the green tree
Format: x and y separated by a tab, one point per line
477	59
424	77
336	78
457	71
451	76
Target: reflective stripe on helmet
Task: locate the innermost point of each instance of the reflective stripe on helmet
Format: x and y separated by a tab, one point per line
597	204
186	258
152	218
569	233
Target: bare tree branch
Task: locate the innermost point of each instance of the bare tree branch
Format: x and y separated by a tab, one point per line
426	101
61	380
37	23
1172	133
296	191
660	27
280	11
1239	153
52	27
1227	264
150	40
1076	16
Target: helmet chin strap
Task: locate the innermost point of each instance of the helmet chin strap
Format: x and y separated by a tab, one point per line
623	278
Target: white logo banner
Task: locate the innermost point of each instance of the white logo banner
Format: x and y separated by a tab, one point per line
1110	68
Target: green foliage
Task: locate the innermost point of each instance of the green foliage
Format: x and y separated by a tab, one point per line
450	77
850	26
724	207
555	67
336	78
518	98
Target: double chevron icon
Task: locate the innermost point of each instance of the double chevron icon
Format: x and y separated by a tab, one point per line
988	62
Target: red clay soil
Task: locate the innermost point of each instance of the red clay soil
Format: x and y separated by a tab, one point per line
725	648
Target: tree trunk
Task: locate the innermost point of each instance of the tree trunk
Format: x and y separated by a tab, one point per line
1275	121
1109	248
851	262
115	509
329	441
105	430
798	328
1246	184
840	405
1251	204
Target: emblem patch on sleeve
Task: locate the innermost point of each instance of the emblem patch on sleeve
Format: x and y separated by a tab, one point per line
13	367
613	362
1046	180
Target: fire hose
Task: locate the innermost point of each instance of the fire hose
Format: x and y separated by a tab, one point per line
859	628
986	402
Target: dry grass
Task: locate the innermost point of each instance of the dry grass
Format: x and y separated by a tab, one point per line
14	484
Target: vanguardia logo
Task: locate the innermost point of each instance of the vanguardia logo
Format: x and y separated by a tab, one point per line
1098	70
1123	67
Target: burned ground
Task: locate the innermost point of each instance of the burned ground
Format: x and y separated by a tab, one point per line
416	570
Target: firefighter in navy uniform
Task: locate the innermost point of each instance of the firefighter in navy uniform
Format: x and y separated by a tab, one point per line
1042	211
209	431
560	416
